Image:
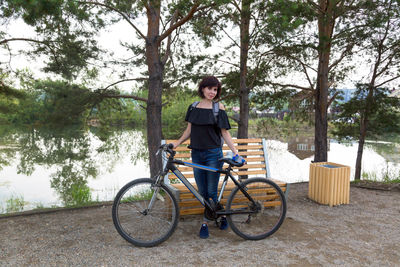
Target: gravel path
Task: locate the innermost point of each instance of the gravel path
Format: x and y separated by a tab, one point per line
364	233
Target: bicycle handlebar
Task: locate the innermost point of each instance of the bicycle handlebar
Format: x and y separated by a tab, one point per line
167	148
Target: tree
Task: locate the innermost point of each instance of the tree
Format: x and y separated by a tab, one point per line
63	34
373	111
78	21
335	27
163	20
258	34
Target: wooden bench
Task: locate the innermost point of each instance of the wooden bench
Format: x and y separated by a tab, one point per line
255	152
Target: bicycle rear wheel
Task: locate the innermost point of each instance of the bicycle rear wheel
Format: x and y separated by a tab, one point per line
139	223
257	221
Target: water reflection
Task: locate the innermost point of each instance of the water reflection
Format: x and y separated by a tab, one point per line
71	166
71	157
303	146
389	150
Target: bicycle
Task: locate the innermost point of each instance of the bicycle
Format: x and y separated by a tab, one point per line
145	211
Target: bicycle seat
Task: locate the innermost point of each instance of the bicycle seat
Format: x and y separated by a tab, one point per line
231	162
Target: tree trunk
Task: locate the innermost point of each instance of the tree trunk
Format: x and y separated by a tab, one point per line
363	128
361	141
156	71
326	22
321	113
243	128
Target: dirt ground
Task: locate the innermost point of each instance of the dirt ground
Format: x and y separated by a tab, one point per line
364	233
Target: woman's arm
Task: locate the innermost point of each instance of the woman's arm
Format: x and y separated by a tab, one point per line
184	137
227	136
228	140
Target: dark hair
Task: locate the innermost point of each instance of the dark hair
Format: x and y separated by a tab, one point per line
209	81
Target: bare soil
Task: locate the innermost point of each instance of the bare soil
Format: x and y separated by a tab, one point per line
364	233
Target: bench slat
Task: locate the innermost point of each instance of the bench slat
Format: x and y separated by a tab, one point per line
248	153
191	175
247	140
248	159
252	150
200	210
229	186
247	166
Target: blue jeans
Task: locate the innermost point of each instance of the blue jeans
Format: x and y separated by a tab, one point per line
207	182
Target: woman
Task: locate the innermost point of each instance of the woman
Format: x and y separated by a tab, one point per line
205	131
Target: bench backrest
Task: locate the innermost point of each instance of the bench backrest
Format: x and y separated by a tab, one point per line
253	150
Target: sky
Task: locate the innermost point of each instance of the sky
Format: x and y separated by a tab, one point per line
110	40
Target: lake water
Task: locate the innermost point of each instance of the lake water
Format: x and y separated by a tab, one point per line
47	168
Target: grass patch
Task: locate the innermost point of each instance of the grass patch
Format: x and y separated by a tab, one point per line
140	196
145	195
14	204
388	176
80	195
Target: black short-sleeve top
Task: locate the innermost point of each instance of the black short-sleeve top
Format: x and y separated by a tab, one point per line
206	131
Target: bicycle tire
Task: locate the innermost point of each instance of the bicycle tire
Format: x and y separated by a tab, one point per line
265	220
138	226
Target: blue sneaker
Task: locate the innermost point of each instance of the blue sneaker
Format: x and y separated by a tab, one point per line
204	231
223	224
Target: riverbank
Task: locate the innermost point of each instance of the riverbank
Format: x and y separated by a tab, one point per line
363	233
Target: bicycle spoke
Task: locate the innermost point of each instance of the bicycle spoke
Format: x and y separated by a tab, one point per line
263	219
135	222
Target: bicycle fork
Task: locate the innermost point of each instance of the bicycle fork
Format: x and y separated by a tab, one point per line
156	187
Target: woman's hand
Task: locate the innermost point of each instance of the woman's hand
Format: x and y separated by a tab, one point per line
175	144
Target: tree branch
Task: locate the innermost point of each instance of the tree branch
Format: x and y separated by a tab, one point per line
179	23
125	96
225	97
342	56
317	7
168	49
124	16
46	43
306	73
237	6
228	35
121	81
332	98
23	39
392	79
291	85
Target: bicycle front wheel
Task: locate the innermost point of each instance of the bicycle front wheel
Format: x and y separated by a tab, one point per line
145	214
262	218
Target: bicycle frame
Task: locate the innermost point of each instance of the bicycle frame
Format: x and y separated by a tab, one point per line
170	166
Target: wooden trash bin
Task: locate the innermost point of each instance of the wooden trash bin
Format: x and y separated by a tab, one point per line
329	183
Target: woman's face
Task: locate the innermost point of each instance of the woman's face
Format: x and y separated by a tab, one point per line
210	92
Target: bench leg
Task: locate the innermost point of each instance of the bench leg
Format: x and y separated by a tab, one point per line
287	190
174	191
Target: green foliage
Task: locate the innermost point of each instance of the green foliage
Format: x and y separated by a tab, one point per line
388	176
138	196
276	100
65	32
282	129
382	112
80	195
71	184
15	204
8	97
173	115
56	102
71	154
120	111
